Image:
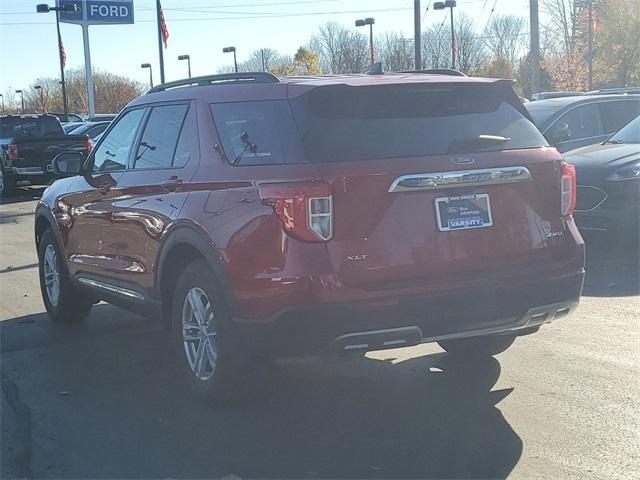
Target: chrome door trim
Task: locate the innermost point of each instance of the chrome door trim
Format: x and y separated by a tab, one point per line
460	178
606	196
125	292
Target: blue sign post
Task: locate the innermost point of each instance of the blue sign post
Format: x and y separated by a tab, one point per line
95	12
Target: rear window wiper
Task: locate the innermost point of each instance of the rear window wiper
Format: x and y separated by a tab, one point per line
476	143
248	145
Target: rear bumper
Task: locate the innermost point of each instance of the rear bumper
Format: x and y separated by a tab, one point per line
331	328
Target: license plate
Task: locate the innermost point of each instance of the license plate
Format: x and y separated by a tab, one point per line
464	212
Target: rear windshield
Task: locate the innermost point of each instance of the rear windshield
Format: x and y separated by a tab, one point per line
6	127
30	127
341	123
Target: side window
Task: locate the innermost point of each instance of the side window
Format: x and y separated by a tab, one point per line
581	122
249	131
160	137
188	140
113	152
616	115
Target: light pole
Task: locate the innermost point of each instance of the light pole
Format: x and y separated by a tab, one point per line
67	7
148	65
229	50
21	100
39	89
188	59
441	6
368	21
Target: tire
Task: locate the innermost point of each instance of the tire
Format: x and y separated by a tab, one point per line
63	302
8	183
477	347
209	349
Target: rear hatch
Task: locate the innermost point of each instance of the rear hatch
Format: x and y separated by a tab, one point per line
432	180
428	182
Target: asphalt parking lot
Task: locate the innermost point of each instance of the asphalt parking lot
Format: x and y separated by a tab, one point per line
103	400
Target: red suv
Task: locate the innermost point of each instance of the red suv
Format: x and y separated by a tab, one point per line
263	217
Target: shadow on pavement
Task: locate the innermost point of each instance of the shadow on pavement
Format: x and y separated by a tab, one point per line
103	399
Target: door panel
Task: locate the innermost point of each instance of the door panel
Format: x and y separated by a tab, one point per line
90	244
90	249
152	192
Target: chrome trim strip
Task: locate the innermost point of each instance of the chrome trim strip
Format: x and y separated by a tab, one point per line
598	204
37	171
460	178
125	292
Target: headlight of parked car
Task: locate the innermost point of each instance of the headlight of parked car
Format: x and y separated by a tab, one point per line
628	172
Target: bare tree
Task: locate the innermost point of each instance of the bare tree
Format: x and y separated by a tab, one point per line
262	57
340	49
504	38
395	52
471	53
436	47
112	93
567	25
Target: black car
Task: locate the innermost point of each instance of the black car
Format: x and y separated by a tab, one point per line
573	122
91	129
608	176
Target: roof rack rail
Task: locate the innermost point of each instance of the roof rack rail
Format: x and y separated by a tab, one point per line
249	77
438	71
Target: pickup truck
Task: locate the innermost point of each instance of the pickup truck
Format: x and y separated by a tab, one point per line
28	143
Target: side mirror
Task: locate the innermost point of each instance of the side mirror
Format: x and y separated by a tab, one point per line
67	164
560	133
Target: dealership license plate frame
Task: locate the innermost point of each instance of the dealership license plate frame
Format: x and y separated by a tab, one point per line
471	222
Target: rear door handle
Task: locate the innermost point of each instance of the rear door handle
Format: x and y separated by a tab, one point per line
104	189
171	184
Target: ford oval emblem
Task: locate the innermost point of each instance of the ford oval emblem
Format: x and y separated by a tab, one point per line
462	160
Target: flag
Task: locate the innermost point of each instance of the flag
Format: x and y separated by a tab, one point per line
63	53
163	26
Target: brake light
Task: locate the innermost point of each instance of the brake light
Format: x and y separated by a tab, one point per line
89	145
568	189
304	208
12	150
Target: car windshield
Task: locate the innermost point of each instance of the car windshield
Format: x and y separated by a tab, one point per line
629	134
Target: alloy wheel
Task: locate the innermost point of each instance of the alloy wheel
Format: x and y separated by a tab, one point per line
51	275
199	334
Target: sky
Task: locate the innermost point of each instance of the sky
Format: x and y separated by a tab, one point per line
200	28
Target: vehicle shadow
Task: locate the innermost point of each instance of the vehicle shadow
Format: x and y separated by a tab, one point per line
612	268
23	194
105	399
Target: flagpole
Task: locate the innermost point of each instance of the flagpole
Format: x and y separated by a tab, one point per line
160	52
65	104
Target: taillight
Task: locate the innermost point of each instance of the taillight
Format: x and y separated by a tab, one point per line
304	208
12	150
568	189
88	143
